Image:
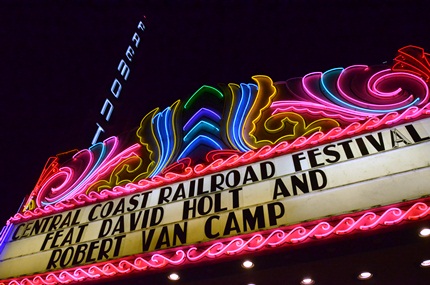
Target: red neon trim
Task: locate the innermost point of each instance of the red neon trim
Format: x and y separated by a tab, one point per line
234	160
414	60
260	241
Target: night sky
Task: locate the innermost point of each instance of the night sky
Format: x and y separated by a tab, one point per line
59	59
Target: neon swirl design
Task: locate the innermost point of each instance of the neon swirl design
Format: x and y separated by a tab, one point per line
69	180
50	168
237	124
345	225
369	108
337	87
232	159
86	167
127	169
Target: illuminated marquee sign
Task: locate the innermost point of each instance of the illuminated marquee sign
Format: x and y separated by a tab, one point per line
242	200
226	163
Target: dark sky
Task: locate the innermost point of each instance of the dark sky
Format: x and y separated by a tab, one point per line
59	59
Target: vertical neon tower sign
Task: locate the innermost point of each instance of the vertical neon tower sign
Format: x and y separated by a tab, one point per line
115	90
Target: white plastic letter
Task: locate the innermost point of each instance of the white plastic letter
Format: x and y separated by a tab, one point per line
124	69
116	85
141	26
136	39
105	105
97	134
129	53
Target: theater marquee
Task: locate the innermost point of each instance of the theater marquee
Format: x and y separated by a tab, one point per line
230	164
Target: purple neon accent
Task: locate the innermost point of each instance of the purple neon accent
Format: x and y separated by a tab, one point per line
4	234
195	143
80	181
203	112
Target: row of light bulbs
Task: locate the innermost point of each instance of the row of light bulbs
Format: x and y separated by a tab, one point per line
247	264
425	233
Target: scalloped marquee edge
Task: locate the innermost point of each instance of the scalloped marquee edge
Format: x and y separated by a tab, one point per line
266	152
261	241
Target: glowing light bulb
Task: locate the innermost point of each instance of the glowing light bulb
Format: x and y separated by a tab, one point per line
365	275
174	276
425	263
425	232
247	264
307	281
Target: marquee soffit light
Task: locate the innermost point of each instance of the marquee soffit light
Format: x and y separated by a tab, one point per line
364	275
174	276
307	281
247	264
425	232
